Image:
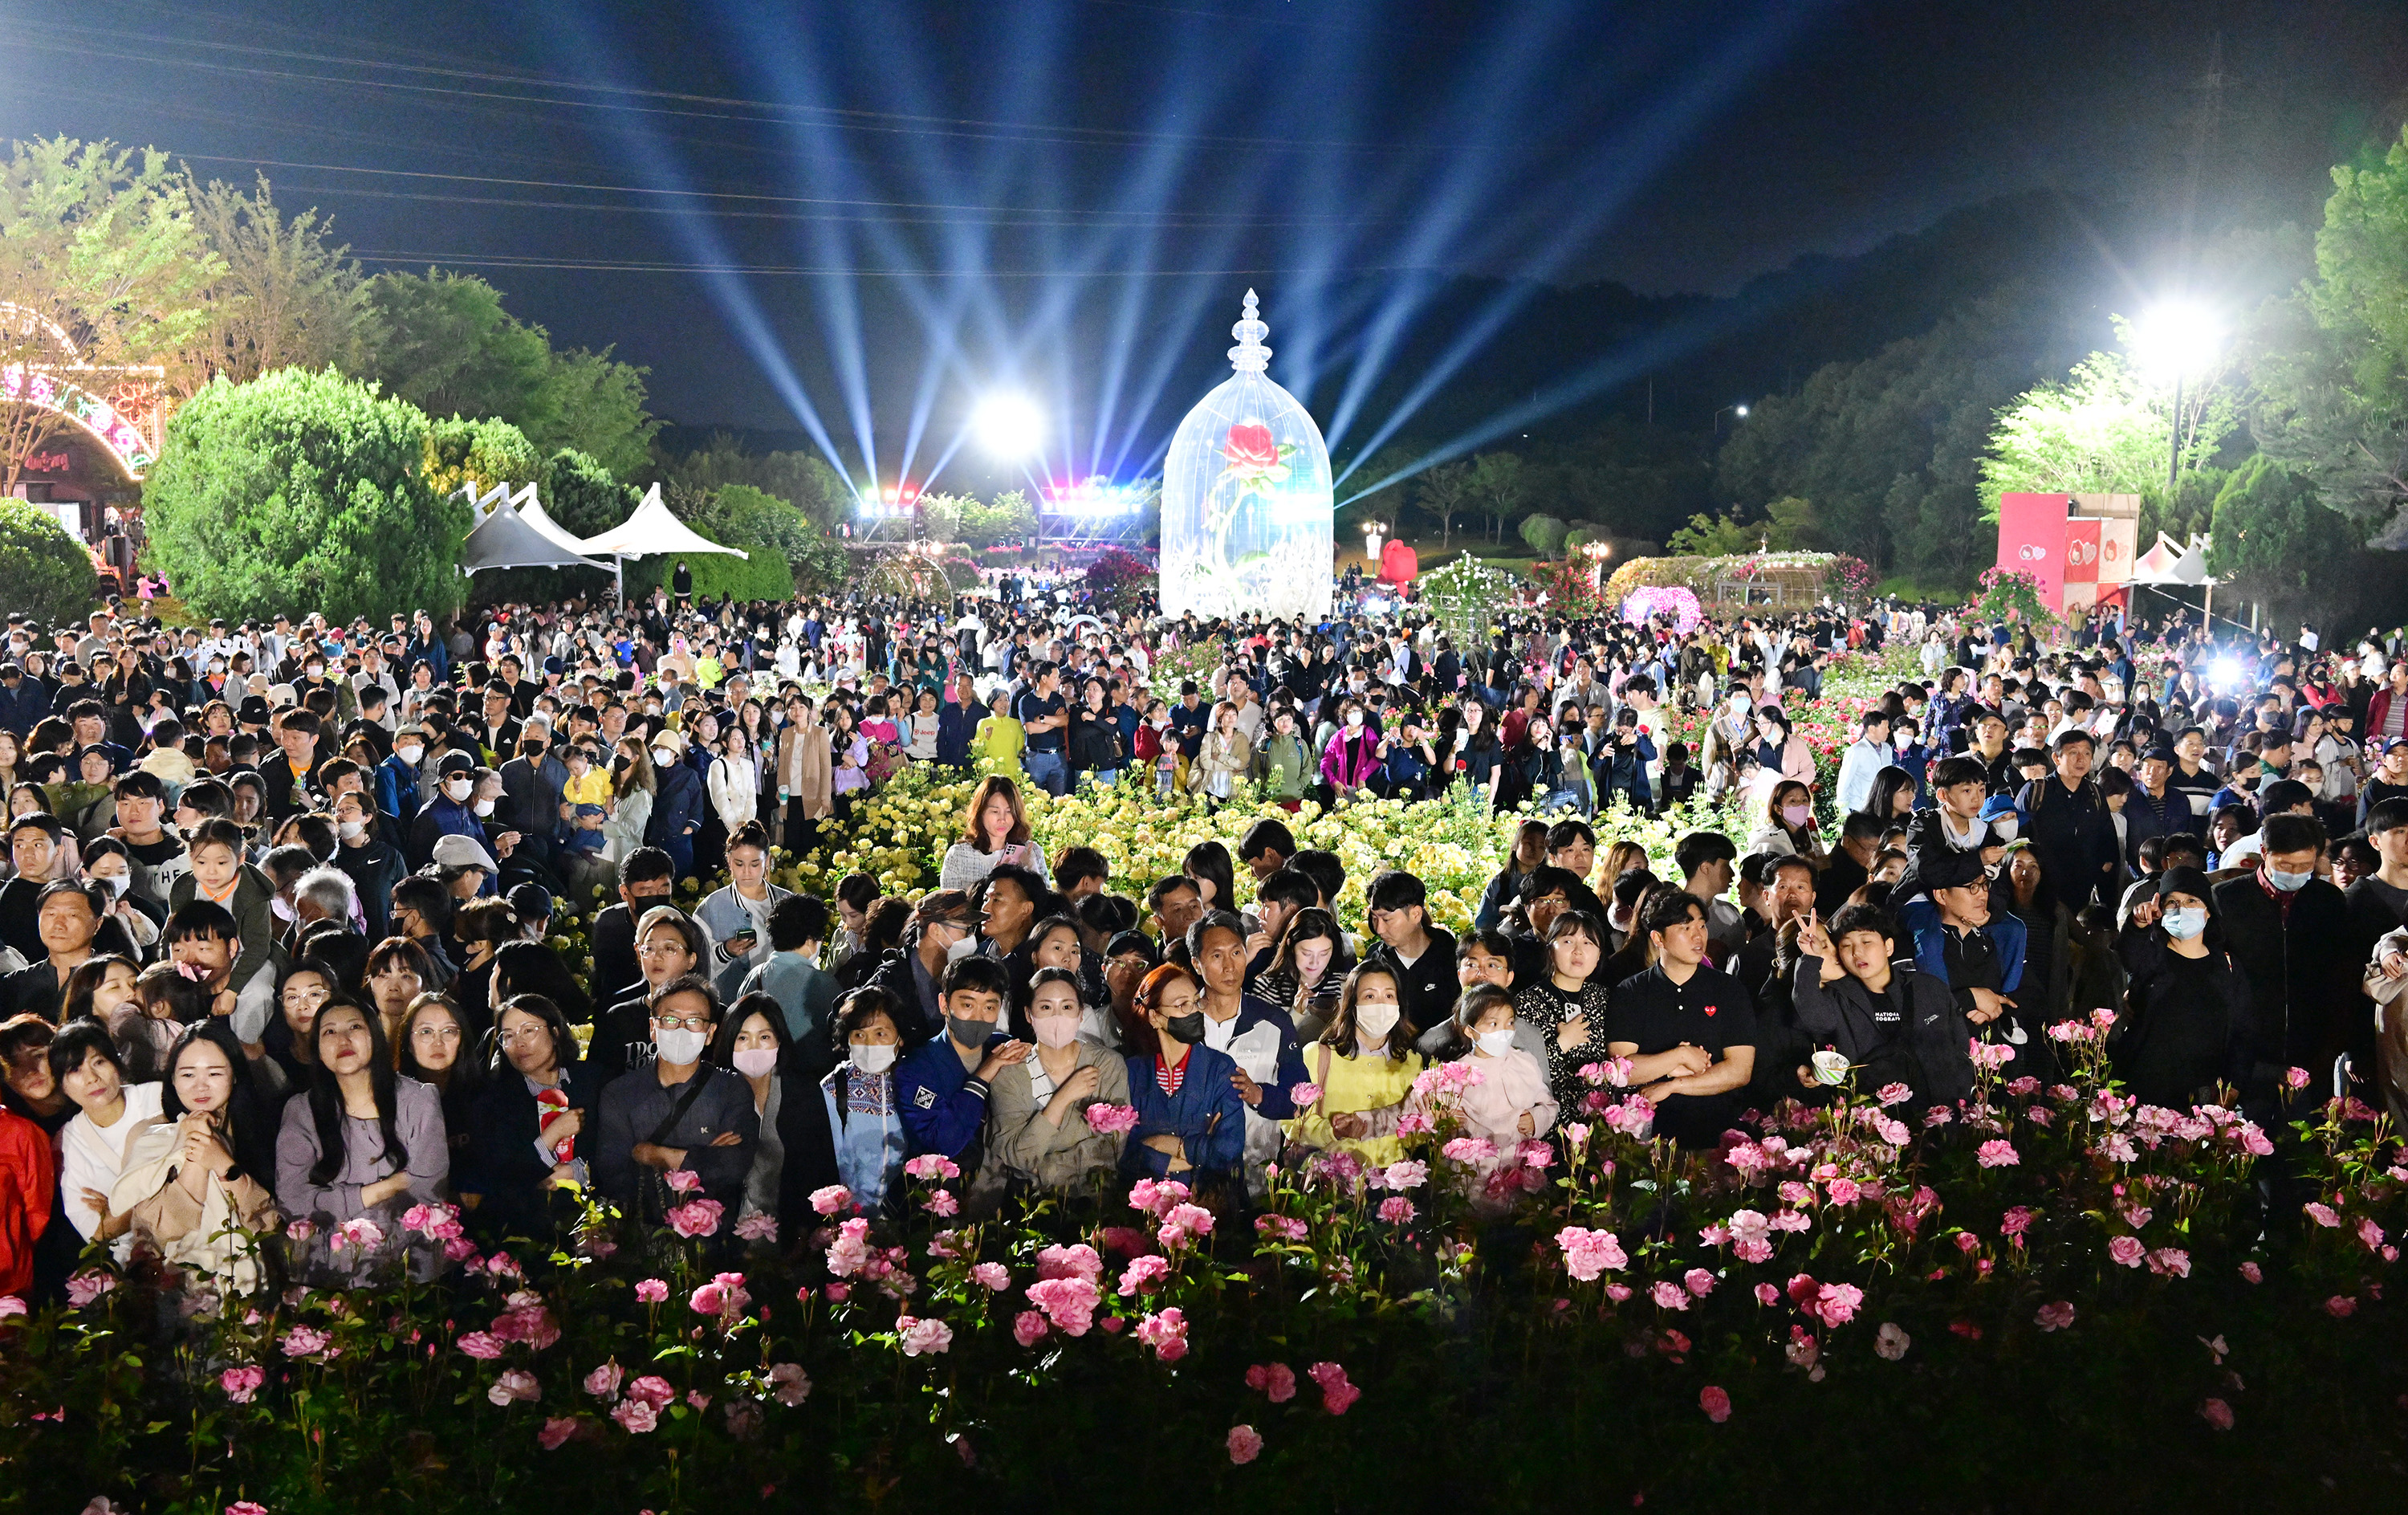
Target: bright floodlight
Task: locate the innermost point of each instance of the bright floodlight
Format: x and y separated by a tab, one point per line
1008	425
2175	339
1741	409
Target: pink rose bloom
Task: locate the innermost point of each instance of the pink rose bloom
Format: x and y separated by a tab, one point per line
1028	1327
1076	1261
1716	1403
603	1382
651	1389
992	1275
1668	1295
1155	1196
481	1345
1588	1253
1893	1095
241	1383
86	1286
759	1226
1245	1445
1280	1228
2295	1079
2321	1214
723	1295
2340	1306
2171	1259
923	1338
2371	1233
651	1292
10	1306
2127	1250
1069	1304
1111	1119
831	1199
1792	1221
245	1506
1843	1191
1274	1380
1337	1394
932	1165
1304	1094
789	1384
516	1384
1143	1273
2015	1221
683	1180
1395	1209
1614	1291
846	1254
697	1218
2216	1413
636	1416
1837	1303
1767	1294
1998	1154
2054	1317
941	1203
556	1432
1699	1281
1891	1341
359	1233
1165	1332
2250	1271
1468	1149
1715	1235
1405	1175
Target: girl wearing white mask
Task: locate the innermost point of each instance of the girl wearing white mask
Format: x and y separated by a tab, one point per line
1509	1105
2186	1012
751	1042
1036	1125
1364	1065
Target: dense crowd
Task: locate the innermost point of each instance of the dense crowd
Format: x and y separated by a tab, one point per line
278	899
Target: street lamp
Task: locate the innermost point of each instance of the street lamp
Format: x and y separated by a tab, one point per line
1597	553
1373	532
1738	411
2175	339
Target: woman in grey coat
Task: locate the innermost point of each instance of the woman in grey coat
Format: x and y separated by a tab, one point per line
1037	1129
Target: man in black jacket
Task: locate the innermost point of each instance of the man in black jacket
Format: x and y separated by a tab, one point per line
2289	932
644	881
2070	829
1420	954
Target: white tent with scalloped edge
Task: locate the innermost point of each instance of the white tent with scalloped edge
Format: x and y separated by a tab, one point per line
650	531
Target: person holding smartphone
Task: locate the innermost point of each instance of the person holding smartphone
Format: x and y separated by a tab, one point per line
994	833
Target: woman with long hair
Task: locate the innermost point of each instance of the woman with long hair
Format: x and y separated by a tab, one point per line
1307	976
1787	824
535	1091
1567	1001
1364	1065
1036	1125
435	1048
195	1183
110	1111
995	832
362	1144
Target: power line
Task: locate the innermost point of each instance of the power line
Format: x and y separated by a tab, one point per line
510	260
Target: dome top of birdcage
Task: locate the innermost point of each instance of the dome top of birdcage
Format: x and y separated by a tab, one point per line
1246	496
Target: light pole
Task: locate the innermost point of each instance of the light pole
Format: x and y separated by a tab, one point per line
1373	533
2173	339
1597	553
1738	411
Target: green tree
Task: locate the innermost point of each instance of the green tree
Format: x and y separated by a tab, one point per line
1498	487
444	344
98	244
2332	369
478	453
283	299
44	573
1712	536
1544	533
2101	431
1001	519
804	480
1444	489
301	489
583	497
2275	536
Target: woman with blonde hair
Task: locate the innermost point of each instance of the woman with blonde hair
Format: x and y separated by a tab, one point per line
995	831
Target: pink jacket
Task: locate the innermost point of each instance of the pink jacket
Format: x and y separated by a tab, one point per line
1350	761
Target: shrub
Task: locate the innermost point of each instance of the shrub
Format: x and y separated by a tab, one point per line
302	488
482	453
44	572
1545	534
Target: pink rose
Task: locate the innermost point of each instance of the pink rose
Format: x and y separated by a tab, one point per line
1245	1445
636	1416
1276	1381
1767	1295
1183	1222
697	1218
789	1384
1337	1394
922	1337
1076	1261
603	1382
2216	1413
1069	1304
1668	1296
1111	1119
1395	1209
2127	1250
1699	1281
683	1180
10	1306
1143	1273
1589	1253
2321	1214
940	1202
831	1199
1998	1154
993	1277
241	1383
1716	1403
245	1506
556	1432
1028	1327
932	1165
308	1341
723	1295
759	1226
651	1292
86	1286
515	1385
651	1389
1165	1332
2054	1317
2340	1306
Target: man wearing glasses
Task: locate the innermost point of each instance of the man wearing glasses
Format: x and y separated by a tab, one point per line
682	1114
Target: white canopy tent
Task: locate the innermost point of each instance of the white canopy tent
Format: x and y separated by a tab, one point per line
531	510
650	531
502	539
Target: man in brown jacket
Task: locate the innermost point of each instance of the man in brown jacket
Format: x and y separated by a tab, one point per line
803	773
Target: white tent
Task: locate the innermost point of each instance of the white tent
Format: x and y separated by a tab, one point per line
501	539
531	510
650	531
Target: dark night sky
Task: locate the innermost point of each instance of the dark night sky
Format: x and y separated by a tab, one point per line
971	186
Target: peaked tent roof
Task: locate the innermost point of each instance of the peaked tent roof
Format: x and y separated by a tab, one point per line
531	510
502	539
652	531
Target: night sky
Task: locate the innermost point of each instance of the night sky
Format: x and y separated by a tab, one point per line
873	212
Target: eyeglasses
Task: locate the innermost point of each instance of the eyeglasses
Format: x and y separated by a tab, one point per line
683	1022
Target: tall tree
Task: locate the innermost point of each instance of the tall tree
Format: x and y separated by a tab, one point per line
2274	535
1444	489
97	246
2332	372
284	298
1498	483
443	342
2100	431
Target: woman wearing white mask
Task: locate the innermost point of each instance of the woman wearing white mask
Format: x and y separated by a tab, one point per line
1364	1065
1037	1124
2187	1023
858	1142
751	1043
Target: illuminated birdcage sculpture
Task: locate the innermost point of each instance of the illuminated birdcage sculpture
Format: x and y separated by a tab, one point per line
1246	498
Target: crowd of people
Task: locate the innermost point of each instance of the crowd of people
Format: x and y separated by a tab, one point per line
278	901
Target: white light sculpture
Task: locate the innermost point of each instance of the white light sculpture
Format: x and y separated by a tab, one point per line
1247	499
